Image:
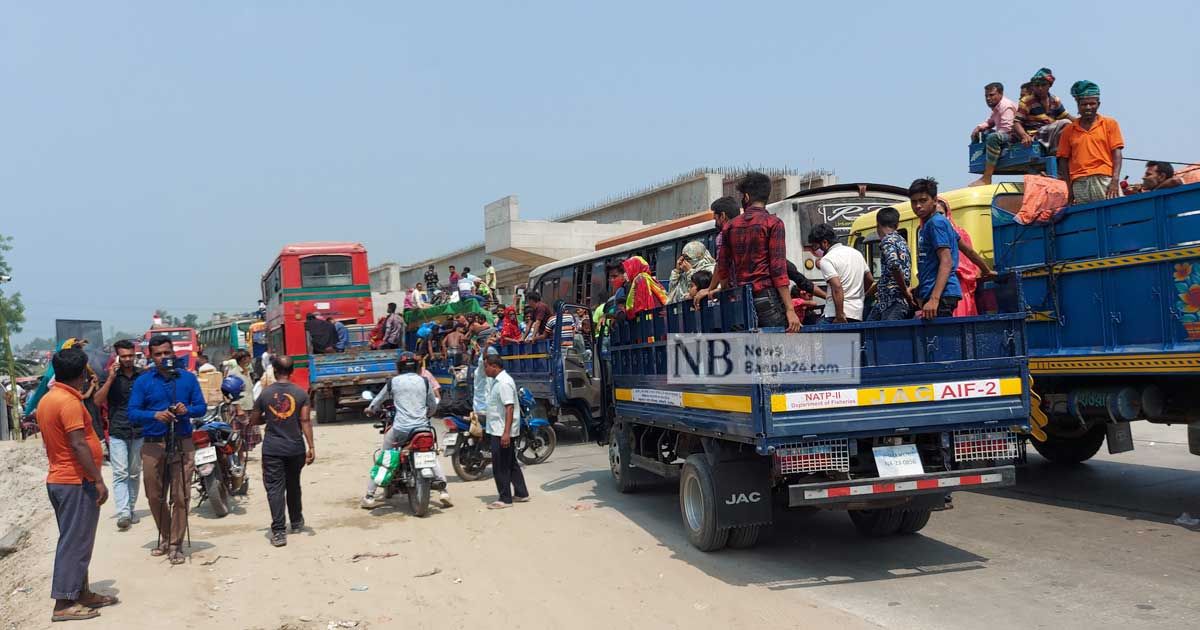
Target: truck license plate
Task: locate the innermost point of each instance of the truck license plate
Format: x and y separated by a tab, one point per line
424	459
206	455
898	461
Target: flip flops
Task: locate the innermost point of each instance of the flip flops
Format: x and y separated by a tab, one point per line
76	612
96	600
499	505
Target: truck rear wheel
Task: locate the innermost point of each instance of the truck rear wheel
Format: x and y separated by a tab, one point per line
627	478
1072	450
877	523
326	408
744	537
914	521
698	503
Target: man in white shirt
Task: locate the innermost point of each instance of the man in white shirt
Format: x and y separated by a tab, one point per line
503	427
845	271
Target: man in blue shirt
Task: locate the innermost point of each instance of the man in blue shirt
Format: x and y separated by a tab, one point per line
938	290
163	399
343	336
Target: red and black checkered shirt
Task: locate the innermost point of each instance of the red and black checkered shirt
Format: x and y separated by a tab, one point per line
753	250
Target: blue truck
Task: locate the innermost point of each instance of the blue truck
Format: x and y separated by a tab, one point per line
941	406
1113	294
339	379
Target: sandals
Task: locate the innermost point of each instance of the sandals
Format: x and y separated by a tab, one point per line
96	600
499	505
76	612
176	556
159	551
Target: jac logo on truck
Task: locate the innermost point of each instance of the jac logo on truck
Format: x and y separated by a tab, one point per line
738	499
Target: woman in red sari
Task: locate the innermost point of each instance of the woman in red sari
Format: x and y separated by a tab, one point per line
645	293
510	331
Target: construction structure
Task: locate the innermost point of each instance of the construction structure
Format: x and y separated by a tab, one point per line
517	245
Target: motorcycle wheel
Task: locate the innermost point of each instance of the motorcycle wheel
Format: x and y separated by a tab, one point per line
538	447
468	462
218	495
418	496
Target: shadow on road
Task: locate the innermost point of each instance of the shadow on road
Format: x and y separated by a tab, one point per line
1133	491
803	549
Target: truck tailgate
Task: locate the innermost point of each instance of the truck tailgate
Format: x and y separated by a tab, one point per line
352	366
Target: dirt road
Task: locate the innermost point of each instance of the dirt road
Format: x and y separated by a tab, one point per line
568	559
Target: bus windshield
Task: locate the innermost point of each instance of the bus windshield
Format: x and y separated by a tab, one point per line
325	271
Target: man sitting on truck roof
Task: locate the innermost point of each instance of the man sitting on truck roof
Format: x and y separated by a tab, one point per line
938	290
996	131
1041	115
845	271
1089	151
753	251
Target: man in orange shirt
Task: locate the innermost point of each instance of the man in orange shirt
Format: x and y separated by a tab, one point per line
75	486
1089	150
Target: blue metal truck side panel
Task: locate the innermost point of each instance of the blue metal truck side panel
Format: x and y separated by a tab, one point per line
367	364
1116	277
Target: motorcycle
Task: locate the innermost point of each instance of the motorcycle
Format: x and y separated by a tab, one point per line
418	454
220	470
471	455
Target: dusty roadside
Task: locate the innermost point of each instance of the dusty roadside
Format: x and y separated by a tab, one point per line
566	560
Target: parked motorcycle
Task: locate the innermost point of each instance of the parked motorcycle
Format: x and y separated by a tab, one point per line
220	469
471	455
418	454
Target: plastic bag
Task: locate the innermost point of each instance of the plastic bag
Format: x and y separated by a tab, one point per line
386	464
476	429
1044	198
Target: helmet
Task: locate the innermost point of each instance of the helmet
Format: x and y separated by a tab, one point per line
406	362
232	387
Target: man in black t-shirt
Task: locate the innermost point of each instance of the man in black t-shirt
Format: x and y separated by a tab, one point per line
125	439
285	410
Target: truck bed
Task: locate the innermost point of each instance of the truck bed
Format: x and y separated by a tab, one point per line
947	374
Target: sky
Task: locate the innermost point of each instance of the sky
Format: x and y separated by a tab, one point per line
160	154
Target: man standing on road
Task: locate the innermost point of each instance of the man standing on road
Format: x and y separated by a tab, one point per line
285	410
393	329
504	425
415	402
124	439
753	251
75	486
846	272
938	288
163	402
1089	150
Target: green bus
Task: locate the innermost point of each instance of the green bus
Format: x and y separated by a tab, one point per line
218	341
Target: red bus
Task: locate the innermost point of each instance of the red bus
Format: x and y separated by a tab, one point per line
325	277
182	339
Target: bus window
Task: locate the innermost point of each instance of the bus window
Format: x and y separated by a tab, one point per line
599	283
581	283
271	286
566	285
664	262
275	342
325	271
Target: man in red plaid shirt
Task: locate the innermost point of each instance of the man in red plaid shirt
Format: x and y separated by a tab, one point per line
753	251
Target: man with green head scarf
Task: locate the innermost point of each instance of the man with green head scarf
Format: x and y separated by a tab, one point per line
1041	115
1089	150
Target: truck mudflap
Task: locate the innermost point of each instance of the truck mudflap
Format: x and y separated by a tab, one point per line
864	490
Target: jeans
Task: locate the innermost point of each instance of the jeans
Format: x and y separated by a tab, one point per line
507	472
897	311
769	309
281	477
78	515
126	459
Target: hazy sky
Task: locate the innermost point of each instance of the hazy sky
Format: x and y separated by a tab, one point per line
160	154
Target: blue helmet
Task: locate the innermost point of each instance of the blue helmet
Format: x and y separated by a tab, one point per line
233	387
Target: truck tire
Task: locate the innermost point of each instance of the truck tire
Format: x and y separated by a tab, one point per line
326	408
914	521
744	537
877	523
627	478
1073	450
698	504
